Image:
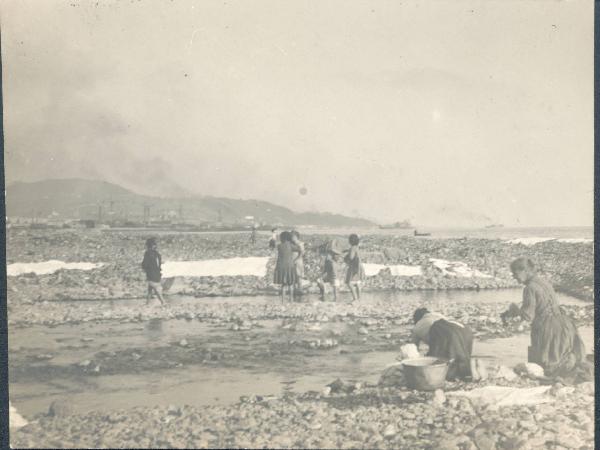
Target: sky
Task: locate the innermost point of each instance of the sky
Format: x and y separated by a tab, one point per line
446	113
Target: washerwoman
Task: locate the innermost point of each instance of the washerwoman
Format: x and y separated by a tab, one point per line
446	339
555	342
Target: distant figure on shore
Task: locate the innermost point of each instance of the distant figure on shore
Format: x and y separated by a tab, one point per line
285	268
446	339
253	235
555	341
273	240
329	273
152	267
355	274
298	260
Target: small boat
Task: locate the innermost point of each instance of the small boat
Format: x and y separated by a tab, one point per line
421	234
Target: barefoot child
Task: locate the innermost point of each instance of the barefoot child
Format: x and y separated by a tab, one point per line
330	270
355	273
298	260
285	268
273	240
151	266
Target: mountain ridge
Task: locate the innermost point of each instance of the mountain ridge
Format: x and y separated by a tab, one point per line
75	198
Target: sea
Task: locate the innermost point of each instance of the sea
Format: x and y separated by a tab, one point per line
502	233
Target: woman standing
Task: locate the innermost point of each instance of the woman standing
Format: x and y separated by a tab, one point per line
285	269
555	342
355	273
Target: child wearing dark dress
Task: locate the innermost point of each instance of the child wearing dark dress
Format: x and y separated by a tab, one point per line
285	268
330	271
355	274
151	265
273	240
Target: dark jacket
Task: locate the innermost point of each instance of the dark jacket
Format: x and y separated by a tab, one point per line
151	265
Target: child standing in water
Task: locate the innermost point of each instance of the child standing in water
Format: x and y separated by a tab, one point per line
273	240
355	273
285	268
152	267
298	260
330	270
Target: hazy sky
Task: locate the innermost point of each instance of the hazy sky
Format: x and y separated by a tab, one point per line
442	112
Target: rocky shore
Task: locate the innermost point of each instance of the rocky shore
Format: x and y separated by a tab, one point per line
364	416
263	334
568	265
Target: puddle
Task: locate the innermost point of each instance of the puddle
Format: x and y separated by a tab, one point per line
428	298
205	384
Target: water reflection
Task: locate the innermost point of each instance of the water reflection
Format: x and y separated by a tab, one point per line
154	329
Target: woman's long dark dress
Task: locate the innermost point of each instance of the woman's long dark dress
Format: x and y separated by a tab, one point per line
555	342
451	341
285	269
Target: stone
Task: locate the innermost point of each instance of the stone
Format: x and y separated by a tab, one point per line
528	425
390	431
529	369
174	410
561	391
315	425
392	376
336	386
85	363
506	373
183	343
569	440
60	408
363	330
484	442
439	398
586	387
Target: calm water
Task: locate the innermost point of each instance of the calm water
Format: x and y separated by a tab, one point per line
505	233
204	385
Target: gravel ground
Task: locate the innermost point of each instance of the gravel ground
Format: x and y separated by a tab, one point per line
367	417
569	266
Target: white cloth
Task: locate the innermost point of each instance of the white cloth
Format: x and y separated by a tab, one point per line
256	266
497	396
15	419
46	267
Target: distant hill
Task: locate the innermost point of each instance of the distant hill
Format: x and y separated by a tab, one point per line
65	199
